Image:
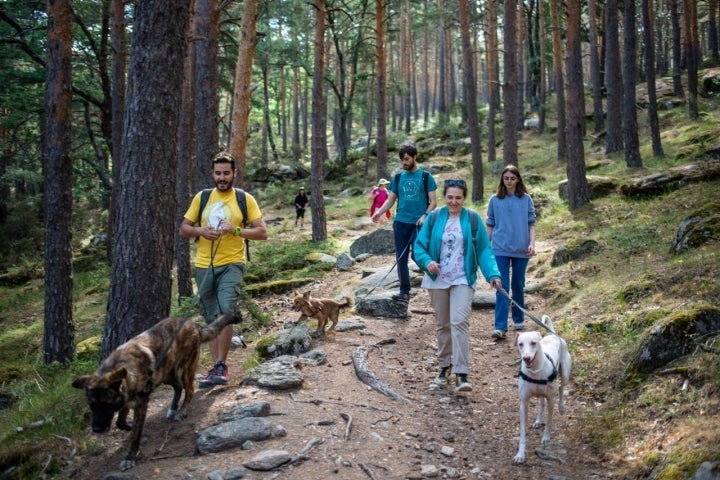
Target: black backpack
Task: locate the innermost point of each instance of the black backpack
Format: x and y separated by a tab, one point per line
425	179
242	203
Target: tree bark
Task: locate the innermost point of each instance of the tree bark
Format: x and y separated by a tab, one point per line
319	135
613	80
207	29
493	79
693	56
471	101
140	284
559	80
243	87
676	38
510	85
59	332
595	71
629	109
649	49
381	143
578	189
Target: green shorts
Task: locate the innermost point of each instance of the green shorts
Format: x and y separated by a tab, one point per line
218	289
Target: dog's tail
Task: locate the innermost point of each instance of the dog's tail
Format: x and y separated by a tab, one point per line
211	331
548	323
348	302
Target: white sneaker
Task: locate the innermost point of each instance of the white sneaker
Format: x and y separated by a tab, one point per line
499	334
463	387
439	381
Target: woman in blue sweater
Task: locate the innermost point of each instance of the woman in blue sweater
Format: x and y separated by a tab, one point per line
446	250
511	228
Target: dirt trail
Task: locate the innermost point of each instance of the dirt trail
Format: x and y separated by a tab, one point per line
389	439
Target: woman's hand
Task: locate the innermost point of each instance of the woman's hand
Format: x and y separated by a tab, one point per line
433	267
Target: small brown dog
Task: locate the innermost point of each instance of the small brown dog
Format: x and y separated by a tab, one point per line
322	309
166	353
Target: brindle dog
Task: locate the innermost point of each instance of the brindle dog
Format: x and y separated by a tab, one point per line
322	309
166	353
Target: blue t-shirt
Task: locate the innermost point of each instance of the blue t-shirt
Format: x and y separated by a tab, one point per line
510	219
412	200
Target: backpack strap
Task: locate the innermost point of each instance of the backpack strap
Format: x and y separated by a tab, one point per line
242	203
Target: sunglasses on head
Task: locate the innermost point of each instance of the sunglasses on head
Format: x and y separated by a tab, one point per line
223	158
455	183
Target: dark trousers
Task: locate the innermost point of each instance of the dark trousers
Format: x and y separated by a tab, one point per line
404	234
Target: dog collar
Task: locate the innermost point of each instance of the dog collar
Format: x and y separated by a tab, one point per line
552	376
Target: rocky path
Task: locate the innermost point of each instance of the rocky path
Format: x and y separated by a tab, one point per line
435	434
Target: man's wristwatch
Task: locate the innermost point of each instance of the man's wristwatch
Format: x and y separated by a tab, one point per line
237	231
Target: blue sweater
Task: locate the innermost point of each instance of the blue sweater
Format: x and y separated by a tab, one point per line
510	219
478	253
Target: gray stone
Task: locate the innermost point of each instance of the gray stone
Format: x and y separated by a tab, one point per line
599	187
279	373
552	451
245	410
429	471
229	474
316	357
268	460
672	179
344	262
294	339
574	250
672	338
381	305
379	242
279	431
354	323
362	257
317	257
351	192
700	227
227	435
707	471
118	476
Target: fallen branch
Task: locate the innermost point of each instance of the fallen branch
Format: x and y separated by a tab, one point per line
318	402
363	372
367	470
348	420
302	454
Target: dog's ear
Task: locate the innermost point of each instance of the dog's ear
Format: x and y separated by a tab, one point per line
81	382
115	377
306	295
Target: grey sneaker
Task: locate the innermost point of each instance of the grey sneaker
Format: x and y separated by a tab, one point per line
439	381
401	297
520	326
499	334
208	381
463	387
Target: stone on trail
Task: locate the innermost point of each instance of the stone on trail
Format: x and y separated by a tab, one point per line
268	460
227	435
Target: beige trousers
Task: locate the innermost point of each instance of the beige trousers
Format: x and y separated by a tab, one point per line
452	326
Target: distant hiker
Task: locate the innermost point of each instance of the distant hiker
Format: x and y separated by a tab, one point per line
378	195
301	201
415	189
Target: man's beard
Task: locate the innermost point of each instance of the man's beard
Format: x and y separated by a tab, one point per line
410	167
223	187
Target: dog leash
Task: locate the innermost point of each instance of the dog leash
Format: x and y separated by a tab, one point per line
530	315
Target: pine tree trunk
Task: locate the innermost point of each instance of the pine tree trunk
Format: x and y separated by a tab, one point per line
319	135
381	143
59	332
629	109
141	281
510	85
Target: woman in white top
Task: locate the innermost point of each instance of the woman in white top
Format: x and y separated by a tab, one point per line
450	247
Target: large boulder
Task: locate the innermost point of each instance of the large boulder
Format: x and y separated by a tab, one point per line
663	182
672	338
701	226
381	305
378	242
574	250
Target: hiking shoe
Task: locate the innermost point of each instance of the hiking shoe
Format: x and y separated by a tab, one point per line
520	326
221	374
401	297
209	380
499	334
463	387
439	381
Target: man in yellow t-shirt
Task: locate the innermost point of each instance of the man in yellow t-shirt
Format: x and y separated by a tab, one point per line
220	259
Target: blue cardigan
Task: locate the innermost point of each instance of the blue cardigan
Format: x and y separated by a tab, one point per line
427	246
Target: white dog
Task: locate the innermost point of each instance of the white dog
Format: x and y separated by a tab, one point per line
543	359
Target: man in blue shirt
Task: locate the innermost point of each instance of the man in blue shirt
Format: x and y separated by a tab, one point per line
415	191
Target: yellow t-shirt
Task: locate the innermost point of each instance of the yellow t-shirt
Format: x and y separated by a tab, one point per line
221	205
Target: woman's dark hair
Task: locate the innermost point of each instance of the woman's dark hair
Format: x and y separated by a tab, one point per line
520	188
456	183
